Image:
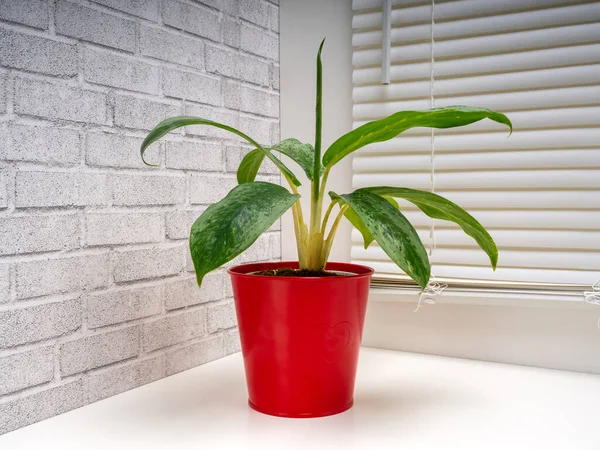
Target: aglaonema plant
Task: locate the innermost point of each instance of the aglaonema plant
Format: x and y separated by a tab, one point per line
227	228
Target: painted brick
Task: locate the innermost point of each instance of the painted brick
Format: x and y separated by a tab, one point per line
123	228
257	128
274	76
259	102
99	350
2	94
185	292
230	118
207	189
141	264
147	189
274	18
173	329
132	112
232	342
179	222
231	33
92	25
191	86
37	54
27	369
255	41
114	380
275	243
275	134
23	411
231	95
37	323
234	65
193	19
172	47
227	6
76	273
119	71
40	144
117	150
147	9
221	317
255	11
116	306
194	355
194	155
54	101
234	156
4	283
39	233
28	12
42	189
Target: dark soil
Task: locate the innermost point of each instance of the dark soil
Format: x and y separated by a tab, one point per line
287	272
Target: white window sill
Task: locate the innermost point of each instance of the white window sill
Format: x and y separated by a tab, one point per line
501	298
403	400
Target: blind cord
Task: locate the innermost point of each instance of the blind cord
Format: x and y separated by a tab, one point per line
593	296
433	288
432	105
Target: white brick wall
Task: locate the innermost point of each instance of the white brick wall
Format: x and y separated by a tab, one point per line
97	291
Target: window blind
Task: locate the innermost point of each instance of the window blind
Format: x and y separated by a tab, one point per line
537	192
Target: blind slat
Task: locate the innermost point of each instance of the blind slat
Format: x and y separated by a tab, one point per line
526	159
518	81
479	65
500	43
566	15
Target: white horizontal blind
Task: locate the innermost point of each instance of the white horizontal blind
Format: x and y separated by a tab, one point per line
537	192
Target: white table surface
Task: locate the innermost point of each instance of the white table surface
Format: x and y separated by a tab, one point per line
403	401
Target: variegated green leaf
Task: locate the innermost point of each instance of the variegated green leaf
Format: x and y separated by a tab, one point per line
302	154
357	222
438	207
393	232
390	127
230	226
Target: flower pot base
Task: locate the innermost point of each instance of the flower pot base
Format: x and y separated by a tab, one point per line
301	415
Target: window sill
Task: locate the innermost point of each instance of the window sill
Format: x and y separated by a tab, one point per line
402	400
547	299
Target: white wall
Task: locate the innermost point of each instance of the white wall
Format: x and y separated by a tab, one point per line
303	26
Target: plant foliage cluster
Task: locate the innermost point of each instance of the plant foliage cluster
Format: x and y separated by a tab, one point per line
230	226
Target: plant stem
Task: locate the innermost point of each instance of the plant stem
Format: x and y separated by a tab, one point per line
329	241
299	229
326	218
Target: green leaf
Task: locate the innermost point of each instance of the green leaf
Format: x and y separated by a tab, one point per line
393	232
302	154
357	222
173	123
249	166
438	207
392	126
318	128
230	226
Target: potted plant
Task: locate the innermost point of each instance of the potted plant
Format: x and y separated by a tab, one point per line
301	322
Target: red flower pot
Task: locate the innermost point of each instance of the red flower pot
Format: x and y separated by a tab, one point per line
300	337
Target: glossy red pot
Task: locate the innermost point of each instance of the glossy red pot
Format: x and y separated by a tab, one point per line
300	337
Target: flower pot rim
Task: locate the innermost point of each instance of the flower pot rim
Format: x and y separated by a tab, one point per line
357	271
